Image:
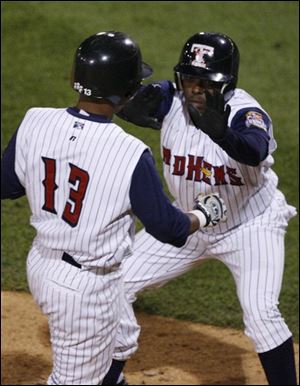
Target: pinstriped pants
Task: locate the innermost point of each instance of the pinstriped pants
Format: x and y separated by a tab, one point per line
254	254
83	309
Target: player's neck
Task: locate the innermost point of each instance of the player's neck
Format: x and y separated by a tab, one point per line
101	107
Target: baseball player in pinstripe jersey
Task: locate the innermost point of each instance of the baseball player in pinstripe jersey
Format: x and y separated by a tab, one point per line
85	179
216	138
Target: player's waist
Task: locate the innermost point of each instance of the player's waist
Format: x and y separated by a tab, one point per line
69	258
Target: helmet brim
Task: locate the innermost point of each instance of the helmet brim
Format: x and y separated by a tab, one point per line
146	70
203	73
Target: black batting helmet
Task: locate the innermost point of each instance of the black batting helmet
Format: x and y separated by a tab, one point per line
109	65
211	56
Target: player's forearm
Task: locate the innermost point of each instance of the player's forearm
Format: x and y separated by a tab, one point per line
166	231
151	205
248	148
194	223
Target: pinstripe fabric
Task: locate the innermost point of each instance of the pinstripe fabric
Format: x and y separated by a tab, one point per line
253	252
77	174
250	243
108	155
83	309
246	198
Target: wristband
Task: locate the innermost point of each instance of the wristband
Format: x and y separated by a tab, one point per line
203	220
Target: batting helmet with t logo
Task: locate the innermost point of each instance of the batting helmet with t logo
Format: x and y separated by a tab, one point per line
211	56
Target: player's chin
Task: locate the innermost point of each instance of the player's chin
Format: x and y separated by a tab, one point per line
198	105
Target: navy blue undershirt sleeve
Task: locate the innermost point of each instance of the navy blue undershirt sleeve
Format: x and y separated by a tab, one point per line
151	205
167	91
247	145
10	184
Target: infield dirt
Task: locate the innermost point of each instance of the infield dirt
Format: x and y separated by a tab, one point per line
171	352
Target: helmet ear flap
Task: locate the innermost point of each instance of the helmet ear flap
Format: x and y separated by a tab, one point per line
178	81
223	88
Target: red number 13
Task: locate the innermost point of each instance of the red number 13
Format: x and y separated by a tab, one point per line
71	213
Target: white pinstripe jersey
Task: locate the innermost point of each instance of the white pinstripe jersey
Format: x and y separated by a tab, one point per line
193	163
77	176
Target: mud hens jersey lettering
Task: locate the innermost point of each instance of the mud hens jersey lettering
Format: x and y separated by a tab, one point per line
252	122
193	163
197	169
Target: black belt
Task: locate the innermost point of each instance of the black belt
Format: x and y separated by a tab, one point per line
69	259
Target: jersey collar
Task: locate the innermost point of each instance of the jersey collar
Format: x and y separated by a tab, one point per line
87	116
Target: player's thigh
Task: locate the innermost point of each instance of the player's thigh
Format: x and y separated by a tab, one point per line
83	310
154	263
83	330
255	256
257	265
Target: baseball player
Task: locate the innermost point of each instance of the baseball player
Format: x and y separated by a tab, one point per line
216	138
85	179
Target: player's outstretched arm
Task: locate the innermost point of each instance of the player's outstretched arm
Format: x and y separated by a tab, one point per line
161	219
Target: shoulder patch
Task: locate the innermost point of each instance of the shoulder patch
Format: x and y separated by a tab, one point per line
253	118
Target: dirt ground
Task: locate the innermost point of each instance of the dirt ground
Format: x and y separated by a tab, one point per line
171	352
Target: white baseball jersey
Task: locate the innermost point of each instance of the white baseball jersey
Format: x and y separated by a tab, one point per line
250	243
194	163
77	173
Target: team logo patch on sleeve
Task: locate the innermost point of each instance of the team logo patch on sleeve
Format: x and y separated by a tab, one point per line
254	118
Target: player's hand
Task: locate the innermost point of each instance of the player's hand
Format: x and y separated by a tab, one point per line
141	108
213	207
214	120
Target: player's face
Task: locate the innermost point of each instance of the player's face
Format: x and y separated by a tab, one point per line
194	90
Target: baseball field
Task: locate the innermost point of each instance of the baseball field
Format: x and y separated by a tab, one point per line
38	43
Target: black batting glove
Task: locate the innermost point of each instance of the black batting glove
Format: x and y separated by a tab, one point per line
214	120
141	109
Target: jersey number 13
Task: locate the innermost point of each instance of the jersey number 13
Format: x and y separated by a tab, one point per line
71	213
